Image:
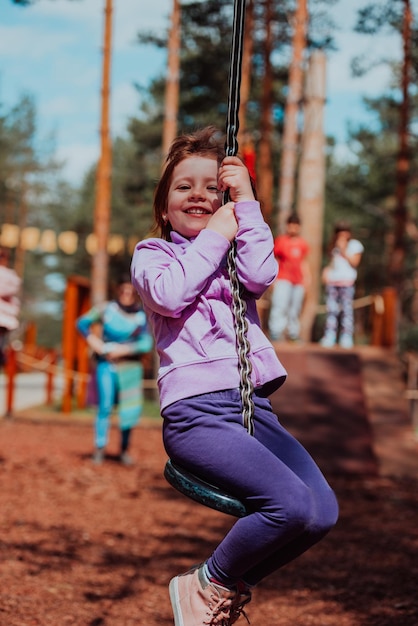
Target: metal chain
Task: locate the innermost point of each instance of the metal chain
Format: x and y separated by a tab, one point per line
239	306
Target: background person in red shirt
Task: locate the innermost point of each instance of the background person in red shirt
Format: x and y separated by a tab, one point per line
292	281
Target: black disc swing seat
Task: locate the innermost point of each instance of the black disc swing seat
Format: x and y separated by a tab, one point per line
186	483
203	492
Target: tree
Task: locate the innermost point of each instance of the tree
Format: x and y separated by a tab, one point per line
172	80
32	196
371	20
363	190
204	62
290	149
102	207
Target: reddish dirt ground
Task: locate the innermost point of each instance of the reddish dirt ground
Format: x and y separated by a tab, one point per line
93	545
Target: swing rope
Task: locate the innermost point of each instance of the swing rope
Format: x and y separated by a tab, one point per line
189	484
239	306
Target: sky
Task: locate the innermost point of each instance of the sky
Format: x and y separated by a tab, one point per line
52	50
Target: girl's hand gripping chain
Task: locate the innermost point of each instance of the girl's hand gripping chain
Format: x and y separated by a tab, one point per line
234	177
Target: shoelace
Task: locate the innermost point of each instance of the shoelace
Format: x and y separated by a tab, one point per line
237	608
220	611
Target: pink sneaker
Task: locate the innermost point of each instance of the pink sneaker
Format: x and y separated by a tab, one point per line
196	601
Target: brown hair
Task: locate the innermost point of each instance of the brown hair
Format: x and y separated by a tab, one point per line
340	227
206	143
293	219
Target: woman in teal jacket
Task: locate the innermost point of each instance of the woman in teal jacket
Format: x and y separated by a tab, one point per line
119	371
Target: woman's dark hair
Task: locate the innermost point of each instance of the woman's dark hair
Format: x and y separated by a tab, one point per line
293	219
123	278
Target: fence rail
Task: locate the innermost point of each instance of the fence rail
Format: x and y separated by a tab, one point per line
17	359
384	329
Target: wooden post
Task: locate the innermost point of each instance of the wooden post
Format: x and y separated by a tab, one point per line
377	313
68	344
290	131
385	319
172	81
390	317
50	377
11	371
311	183
75	301
29	339
100	263
82	351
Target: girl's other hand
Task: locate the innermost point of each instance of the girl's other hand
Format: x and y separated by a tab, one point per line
233	176
224	221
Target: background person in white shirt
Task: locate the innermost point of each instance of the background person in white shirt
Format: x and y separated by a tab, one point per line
339	277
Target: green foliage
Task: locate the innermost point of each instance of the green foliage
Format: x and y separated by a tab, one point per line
131	203
409	339
374	17
206	31
377	152
32	195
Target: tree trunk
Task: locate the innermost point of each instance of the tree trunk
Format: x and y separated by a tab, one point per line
397	255
247	56
100	264
311	183
265	170
290	145
172	80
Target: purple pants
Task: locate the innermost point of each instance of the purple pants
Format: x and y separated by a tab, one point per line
293	505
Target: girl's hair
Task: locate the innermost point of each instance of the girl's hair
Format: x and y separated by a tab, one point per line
205	143
340	227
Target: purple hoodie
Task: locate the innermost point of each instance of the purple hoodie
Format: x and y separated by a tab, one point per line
186	293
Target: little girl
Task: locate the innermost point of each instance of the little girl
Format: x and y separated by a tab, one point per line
183	282
339	277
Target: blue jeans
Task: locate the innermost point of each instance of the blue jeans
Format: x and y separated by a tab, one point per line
286	305
293	505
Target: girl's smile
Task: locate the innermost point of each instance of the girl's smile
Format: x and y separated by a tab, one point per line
193	196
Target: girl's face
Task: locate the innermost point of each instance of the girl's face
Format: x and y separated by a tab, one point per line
193	195
342	238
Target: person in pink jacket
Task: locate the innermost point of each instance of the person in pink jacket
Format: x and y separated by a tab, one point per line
9	301
184	285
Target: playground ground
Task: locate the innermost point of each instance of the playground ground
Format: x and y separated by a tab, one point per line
89	545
